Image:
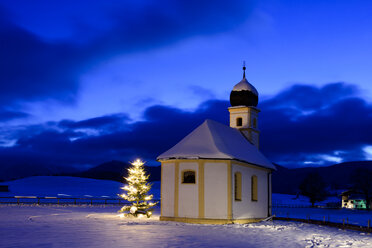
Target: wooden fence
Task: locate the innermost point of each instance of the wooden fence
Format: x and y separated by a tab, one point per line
51	200
324	222
328	206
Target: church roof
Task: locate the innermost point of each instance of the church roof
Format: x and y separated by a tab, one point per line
213	140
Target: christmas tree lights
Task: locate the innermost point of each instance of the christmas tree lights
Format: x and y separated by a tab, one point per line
136	192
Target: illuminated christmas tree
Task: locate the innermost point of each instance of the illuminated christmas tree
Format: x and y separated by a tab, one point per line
136	192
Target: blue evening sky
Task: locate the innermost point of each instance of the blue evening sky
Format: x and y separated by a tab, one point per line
80	60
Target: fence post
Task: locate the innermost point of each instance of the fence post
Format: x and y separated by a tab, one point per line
74	201
324	218
91	202
343	221
38	201
18	201
58	201
369	223
105	201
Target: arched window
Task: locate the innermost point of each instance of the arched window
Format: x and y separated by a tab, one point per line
254	188
239	122
255	123
188	176
238	186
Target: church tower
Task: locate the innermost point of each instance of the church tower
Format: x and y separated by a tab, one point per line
243	111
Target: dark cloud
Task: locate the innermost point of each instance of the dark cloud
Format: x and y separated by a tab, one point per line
7	115
34	68
111	122
339	129
300	127
308	97
31	67
64	143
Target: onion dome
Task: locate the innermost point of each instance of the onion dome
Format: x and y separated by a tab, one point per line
244	94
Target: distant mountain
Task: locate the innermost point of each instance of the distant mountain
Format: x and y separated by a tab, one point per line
116	170
287	181
12	172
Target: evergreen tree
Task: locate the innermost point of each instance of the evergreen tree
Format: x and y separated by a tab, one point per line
136	192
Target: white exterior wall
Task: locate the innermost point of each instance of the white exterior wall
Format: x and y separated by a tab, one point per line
167	189
246	208
215	190
188	198
270	195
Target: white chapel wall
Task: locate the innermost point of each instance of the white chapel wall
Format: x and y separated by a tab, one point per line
167	189
246	208
188	198
215	190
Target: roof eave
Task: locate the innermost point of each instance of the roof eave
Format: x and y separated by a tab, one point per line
198	157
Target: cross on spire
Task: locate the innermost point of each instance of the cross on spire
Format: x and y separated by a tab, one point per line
244	69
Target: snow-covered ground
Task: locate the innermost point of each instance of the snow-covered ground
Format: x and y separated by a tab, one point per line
356	217
43	226
77	226
351	216
84	187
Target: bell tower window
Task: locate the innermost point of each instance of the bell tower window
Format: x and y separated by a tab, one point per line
239	122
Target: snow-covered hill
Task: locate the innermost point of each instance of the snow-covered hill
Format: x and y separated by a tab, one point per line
67	186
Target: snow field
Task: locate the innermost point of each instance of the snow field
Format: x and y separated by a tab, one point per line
356	217
85	187
43	226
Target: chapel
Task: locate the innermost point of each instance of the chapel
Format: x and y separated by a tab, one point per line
216	174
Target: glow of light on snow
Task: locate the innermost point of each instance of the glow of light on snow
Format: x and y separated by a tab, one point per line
368	152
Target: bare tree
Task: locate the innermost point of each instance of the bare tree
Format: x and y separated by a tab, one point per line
314	188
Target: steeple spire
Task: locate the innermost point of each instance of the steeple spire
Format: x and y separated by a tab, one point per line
244	69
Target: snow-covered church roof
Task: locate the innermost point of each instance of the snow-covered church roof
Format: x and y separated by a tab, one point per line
213	140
